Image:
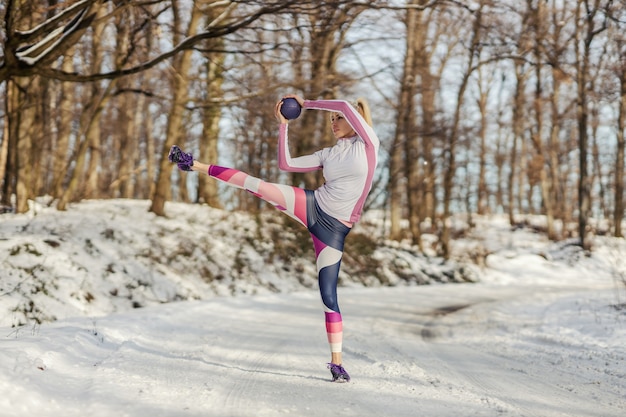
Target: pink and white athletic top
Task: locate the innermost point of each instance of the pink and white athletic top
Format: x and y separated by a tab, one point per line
348	167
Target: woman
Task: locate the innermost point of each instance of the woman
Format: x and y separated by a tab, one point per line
330	211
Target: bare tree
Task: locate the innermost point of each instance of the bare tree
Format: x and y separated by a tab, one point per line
539	29
180	95
618	210
60	147
405	132
591	21
211	114
413	166
453	136
615	84
484	81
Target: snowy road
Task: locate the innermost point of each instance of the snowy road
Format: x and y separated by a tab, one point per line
431	351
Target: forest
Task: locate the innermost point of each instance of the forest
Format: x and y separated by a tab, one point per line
515	107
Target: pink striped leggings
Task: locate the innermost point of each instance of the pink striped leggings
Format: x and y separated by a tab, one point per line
328	236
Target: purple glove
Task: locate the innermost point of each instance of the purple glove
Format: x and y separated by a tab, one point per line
184	160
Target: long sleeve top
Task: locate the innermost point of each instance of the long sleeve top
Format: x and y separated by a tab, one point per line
348	166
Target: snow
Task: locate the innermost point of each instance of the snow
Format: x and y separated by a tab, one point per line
231	324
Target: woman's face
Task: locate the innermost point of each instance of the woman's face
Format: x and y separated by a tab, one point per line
340	126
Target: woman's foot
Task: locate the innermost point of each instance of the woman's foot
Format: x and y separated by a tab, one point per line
184	160
339	374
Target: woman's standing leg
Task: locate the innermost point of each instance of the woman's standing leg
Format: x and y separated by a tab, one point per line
329	235
328	261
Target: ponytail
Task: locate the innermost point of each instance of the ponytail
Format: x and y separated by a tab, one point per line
363	108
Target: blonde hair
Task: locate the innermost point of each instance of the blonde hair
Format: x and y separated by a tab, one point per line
363	108
361	105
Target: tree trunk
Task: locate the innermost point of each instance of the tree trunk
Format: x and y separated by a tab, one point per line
93	136
545	184
618	210
5	194
151	146
554	150
428	87
587	15
207	187
450	170
398	188
180	84
12	127
406	132
128	146
483	192
540	164
64	130
27	132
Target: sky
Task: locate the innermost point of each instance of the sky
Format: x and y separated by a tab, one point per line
540	332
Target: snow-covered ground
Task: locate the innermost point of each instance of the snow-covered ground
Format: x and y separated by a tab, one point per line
232	326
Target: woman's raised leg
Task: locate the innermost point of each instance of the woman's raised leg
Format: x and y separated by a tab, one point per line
291	200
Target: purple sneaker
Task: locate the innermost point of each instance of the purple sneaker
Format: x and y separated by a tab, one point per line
184	160
339	374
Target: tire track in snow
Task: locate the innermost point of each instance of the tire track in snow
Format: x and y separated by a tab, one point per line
508	383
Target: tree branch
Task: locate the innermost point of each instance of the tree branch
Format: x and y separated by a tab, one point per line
188	43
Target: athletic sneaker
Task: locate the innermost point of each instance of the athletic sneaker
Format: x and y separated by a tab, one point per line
184	160
339	374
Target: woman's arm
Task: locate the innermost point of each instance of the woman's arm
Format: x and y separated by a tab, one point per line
353	117
305	163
